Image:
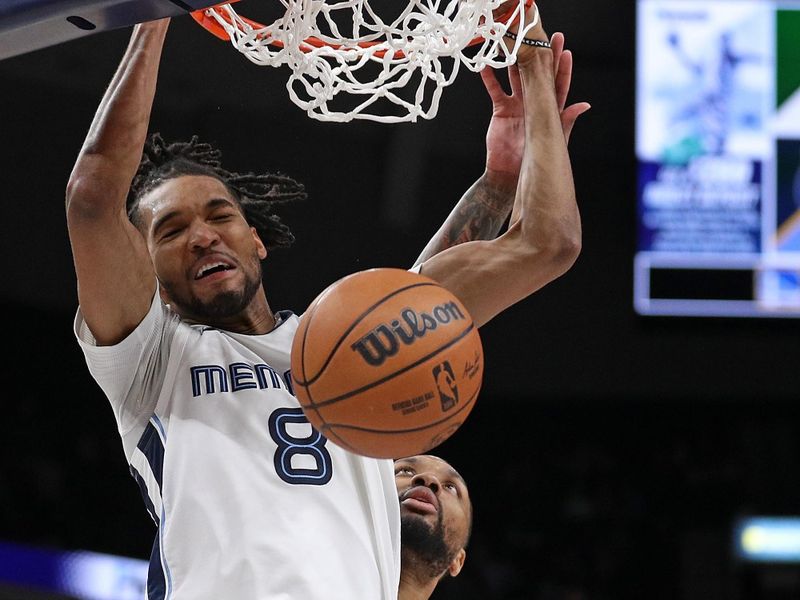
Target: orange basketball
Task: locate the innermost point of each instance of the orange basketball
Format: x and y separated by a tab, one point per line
387	363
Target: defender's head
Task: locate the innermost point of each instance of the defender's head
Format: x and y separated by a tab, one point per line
435	513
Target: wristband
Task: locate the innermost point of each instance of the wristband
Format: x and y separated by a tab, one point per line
527	42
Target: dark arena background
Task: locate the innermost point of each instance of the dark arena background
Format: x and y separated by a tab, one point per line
610	456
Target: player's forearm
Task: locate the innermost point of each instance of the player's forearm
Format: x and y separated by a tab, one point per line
112	149
479	214
548	212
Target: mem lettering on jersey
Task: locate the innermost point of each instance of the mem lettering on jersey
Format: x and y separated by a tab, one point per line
213	379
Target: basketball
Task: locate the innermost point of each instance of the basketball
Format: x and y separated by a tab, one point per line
387	363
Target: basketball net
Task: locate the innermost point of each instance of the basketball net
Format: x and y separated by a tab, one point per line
390	71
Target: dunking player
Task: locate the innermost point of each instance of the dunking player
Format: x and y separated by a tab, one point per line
250	502
435	523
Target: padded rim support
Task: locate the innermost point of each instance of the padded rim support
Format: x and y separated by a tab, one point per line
28	25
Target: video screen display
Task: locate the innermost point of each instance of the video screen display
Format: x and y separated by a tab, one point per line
718	154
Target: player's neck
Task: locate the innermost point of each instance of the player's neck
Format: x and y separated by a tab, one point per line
414	586
256	319
263	323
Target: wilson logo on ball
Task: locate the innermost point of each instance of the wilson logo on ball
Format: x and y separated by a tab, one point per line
384	340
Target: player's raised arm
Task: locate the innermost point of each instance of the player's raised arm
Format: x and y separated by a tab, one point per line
116	281
544	236
485	207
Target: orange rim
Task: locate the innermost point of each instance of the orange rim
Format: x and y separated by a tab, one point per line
212	25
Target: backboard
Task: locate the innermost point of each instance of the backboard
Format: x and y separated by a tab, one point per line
28	25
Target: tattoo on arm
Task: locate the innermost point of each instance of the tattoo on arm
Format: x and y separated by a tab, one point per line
479	215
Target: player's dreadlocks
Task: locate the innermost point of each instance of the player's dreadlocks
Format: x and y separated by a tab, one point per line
257	194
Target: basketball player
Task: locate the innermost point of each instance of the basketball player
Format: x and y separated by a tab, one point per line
173	318
435	523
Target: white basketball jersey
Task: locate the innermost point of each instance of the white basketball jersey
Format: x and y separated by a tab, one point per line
250	502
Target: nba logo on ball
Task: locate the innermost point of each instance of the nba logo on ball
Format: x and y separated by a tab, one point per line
387	363
446	382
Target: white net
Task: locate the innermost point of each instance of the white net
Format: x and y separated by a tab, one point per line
387	70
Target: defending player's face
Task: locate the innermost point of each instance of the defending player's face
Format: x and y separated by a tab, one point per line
435	511
207	258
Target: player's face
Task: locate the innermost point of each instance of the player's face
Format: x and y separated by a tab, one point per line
207	258
435	511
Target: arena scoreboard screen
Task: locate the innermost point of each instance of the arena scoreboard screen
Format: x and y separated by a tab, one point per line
718	154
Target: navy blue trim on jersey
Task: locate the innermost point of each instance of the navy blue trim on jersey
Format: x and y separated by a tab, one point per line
148	504
156	582
152	447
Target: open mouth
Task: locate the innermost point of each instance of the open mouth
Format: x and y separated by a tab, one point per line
211	269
